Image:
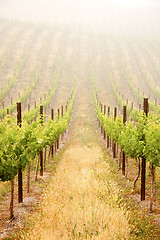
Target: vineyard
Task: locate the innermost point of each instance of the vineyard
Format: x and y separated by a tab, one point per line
80	121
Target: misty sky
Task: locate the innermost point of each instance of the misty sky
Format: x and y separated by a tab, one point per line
115	14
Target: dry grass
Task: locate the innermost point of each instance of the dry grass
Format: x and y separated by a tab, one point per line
80	202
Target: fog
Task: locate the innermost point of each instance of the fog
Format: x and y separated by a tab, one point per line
120	17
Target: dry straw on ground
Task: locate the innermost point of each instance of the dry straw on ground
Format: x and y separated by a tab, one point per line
80	201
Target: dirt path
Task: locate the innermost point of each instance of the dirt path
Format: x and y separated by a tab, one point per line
80	201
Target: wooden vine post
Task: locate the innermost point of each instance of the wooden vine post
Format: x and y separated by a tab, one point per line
123	154
114	144
143	168
97	104
52	117
41	152
66	111
20	183
132	106
103	128
62	111
28	173
12	199
12	192
99	125
101	112
62	117
107	135
58	113
28	107
3	108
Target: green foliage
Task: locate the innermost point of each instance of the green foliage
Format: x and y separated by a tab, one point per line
8	136
137	139
18	145
152	149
